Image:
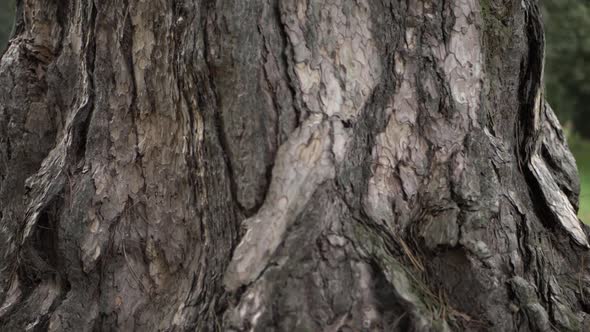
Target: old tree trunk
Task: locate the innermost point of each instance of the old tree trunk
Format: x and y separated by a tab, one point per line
285	165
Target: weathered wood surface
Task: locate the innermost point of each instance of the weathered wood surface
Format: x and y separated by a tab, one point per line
285	165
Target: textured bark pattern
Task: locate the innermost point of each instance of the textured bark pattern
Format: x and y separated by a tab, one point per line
285	165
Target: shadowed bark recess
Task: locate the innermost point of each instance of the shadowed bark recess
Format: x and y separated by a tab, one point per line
285	165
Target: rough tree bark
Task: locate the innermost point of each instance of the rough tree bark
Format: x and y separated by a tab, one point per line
288	165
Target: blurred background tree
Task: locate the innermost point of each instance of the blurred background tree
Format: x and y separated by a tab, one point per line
6	19
568	50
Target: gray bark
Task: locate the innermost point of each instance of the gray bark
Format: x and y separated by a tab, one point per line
292	165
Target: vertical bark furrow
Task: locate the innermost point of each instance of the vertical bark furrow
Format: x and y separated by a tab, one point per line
555	204
559	158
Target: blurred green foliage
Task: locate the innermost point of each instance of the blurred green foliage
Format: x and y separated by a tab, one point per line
567	77
581	149
7	12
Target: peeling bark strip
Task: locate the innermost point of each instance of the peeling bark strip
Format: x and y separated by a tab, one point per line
285	165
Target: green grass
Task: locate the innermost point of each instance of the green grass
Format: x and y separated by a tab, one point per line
581	150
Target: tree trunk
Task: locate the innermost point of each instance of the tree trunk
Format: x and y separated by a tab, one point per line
293	165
